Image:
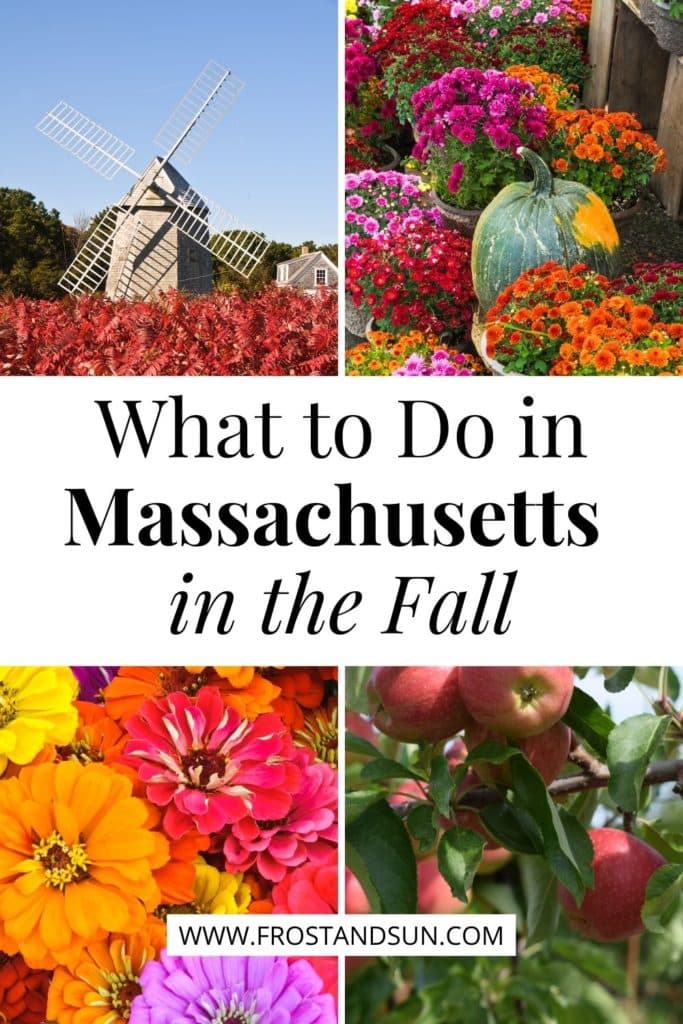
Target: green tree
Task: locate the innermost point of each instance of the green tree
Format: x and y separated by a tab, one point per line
35	246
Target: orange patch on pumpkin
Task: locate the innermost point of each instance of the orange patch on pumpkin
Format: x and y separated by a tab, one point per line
593	225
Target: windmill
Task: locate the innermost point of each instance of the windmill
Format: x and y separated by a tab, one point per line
162	233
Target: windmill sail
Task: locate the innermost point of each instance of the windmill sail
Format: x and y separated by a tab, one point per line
88	141
219	231
91	265
199	112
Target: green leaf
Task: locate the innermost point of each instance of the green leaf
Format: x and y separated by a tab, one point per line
566	854
540	892
619	680
662	897
359	801
459	855
357	745
664	844
597	961
421	826
491	751
630	749
380	854
589	721
384	768
441	785
512	827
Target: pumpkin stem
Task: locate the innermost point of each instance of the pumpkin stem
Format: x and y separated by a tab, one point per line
543	179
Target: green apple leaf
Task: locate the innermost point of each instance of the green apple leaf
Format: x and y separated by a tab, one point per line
662	897
597	961
459	855
513	827
588	720
358	745
384	768
380	854
359	801
664	843
630	749
421	826
540	893
491	751
441	784
564	845
619	680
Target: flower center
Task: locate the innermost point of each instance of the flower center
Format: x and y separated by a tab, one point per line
8	704
122	991
237	1012
273	823
200	766
62	864
321	734
180	679
80	750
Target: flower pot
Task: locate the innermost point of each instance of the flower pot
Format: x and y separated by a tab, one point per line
667	31
392	158
622	217
455	219
355	318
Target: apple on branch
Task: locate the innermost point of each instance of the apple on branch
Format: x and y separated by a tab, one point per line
417	703
516	702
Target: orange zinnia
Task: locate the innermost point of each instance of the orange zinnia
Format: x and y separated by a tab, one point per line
103	981
300	688
76	860
241	688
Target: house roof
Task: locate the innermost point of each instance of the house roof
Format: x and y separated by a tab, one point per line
300	264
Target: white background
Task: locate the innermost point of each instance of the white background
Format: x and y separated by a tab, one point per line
614	603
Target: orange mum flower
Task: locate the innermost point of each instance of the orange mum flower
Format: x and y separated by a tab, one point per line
23	991
103	980
76	860
241	688
604	360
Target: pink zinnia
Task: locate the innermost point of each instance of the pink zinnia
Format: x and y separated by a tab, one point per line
309	889
207	766
305	832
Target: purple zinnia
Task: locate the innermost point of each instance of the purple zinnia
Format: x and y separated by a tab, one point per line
92	679
231	990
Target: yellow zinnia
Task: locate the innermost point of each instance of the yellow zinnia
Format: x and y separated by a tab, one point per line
36	708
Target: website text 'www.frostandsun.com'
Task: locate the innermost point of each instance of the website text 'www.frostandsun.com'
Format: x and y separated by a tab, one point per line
385	935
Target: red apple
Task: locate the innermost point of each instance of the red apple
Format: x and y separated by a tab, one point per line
547	751
433	892
622	865
516	702
417	703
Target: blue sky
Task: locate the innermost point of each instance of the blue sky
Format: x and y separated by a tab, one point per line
272	161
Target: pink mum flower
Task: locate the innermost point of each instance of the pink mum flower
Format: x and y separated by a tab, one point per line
208	766
309	889
305	832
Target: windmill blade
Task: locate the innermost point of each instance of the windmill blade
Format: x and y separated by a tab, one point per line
218	231
91	265
201	109
103	152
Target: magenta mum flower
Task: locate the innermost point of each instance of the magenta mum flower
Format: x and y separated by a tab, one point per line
209	767
307	831
231	990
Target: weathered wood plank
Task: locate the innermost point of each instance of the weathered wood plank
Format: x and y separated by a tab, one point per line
600	43
639	70
669	186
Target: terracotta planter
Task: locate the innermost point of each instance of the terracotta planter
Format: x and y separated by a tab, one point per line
455	219
667	31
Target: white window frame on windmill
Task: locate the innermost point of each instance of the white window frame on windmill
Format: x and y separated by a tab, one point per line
137	244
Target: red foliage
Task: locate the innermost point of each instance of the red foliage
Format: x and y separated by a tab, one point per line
279	332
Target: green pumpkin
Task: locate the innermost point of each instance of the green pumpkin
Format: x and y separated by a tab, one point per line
531	222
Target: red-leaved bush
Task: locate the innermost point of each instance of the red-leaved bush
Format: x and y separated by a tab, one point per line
275	333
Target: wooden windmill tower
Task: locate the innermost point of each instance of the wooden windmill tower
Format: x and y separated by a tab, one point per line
162	233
